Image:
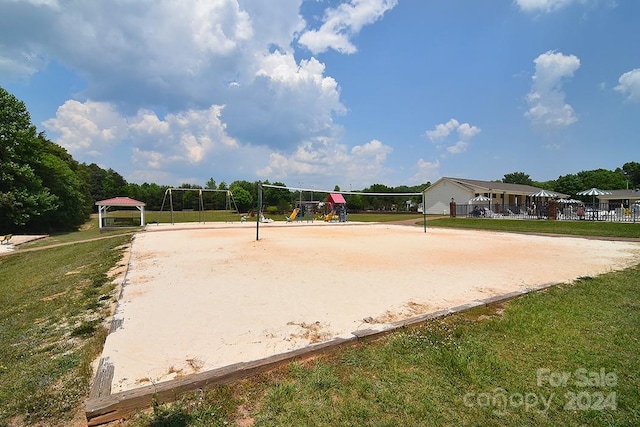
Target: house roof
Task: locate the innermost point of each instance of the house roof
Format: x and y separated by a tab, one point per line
621	194
120	201
496	186
336	198
478	186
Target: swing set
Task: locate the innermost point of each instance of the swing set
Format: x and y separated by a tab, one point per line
230	203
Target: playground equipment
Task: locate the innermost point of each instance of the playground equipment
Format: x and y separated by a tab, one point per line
342	213
337	207
230	201
293	215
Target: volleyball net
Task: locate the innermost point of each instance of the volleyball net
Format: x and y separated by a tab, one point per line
332	207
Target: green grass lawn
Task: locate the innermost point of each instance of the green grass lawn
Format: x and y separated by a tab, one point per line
578	228
53	304
192	216
459	370
383	217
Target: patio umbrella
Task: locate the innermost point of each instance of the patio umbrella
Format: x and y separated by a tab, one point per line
593	192
543	193
568	201
479	199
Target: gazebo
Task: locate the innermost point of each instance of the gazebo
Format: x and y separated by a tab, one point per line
104	205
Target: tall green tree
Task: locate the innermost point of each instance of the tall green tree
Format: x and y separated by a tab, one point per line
151	194
603	179
103	183
631	171
115	185
95	177
59	171
377	202
279	197
250	187
23	196
211	184
517	178
242	197
568	184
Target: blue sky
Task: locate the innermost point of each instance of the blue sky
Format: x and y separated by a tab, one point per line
326	93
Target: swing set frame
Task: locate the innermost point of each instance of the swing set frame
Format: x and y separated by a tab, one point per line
230	203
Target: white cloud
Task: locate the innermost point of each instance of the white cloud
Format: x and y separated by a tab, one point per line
321	160
149	52
426	172
544	6
199	86
441	132
285	103
49	3
629	85
198	140
466	131
89	127
92	130
19	64
458	147
342	23
538	7
282	68
548	109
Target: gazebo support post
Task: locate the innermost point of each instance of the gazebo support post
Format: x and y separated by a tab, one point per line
141	209
100	216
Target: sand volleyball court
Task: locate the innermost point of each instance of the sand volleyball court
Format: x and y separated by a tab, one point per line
198	297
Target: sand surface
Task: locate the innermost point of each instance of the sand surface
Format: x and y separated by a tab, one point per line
196	299
16	240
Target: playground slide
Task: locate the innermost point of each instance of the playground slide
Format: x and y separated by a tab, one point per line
329	216
293	215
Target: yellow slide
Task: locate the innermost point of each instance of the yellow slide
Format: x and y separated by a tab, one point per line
292	216
329	216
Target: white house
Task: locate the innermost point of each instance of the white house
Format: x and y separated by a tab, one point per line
439	195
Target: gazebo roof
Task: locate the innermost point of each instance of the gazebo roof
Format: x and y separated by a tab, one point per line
120	201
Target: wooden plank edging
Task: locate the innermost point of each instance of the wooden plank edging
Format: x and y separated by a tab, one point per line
102	382
118	405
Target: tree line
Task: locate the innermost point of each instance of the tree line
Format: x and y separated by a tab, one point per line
43	189
625	177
